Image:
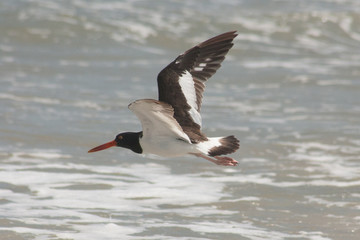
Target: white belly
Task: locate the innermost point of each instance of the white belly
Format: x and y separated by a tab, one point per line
166	146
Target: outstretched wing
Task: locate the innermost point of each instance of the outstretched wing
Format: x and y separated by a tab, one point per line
181	83
157	118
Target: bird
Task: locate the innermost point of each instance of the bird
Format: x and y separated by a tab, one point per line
171	125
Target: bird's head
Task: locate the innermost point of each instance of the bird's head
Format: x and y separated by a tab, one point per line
128	140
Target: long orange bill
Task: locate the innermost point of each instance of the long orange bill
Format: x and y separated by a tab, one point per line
103	146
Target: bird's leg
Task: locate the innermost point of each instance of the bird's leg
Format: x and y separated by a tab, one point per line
225	161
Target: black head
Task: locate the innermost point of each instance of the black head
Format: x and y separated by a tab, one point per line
128	140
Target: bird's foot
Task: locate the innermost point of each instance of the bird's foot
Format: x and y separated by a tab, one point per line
225	161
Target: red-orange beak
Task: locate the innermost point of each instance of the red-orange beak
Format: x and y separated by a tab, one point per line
103	146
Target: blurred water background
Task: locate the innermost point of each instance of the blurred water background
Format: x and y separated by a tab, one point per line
289	90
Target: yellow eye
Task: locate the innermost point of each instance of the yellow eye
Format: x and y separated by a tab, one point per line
120	137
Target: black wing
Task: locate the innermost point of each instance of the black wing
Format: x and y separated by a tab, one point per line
181	83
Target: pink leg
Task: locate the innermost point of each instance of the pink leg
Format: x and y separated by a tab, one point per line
225	161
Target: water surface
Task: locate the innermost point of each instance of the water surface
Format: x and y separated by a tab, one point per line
289	90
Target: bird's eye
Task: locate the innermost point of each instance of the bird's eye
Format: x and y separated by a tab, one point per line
119	137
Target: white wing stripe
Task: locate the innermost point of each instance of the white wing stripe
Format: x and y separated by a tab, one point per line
200	67
187	85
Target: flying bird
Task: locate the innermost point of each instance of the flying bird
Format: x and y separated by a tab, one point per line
171	126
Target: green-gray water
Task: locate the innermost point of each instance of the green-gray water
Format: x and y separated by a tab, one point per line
289	90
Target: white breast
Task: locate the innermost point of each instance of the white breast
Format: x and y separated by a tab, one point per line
165	146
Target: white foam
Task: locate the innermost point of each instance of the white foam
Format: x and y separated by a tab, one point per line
325	158
334	82
42	32
6	48
29	99
111	229
260	24
303	65
137	190
8	59
253	38
88	104
74	63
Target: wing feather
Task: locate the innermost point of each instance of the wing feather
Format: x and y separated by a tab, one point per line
200	63
157	119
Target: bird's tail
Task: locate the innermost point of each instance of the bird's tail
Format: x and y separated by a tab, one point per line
216	146
228	145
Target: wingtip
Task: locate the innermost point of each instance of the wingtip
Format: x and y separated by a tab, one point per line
232	33
226	36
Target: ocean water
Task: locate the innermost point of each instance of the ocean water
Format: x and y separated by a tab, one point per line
289	89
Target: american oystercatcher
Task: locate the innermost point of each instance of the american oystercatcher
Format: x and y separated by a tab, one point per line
171	125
